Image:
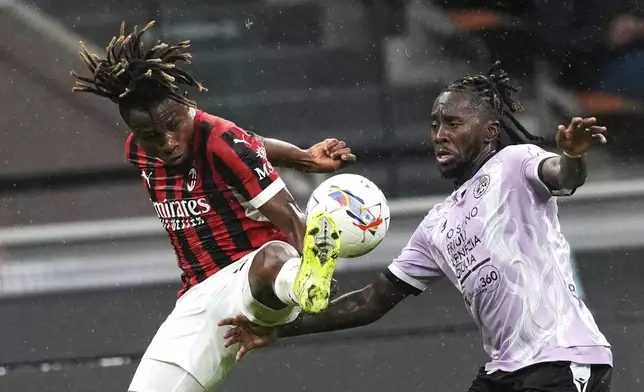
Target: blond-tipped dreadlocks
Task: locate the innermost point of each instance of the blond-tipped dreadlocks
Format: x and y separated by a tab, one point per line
129	76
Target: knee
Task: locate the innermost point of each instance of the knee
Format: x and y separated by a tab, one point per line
268	261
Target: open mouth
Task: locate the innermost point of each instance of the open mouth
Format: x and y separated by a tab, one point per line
444	157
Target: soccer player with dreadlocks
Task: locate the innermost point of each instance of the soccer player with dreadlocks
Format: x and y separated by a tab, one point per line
497	239
236	230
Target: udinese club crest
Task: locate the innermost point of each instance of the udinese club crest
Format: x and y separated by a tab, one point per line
480	186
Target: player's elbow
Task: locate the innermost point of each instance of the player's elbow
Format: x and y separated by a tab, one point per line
576	182
563	173
571	180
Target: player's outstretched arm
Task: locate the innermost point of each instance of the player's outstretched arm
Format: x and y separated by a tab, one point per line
410	273
243	164
569	170
324	157
351	310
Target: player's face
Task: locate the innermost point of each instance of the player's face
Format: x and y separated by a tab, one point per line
165	132
459	132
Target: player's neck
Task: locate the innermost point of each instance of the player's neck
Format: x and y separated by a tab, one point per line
476	165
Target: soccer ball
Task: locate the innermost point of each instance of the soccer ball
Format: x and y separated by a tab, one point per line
359	209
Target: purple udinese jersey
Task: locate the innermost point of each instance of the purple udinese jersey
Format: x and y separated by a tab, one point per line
497	239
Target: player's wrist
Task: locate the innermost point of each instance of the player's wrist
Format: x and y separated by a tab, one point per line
307	161
573	155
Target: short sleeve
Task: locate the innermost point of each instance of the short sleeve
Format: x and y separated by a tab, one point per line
530	158
240	159
415	267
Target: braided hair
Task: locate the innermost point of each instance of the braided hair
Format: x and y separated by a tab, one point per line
495	91
134	78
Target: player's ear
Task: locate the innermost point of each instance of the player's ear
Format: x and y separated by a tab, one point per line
492	131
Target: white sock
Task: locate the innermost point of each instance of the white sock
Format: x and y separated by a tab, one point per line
284	282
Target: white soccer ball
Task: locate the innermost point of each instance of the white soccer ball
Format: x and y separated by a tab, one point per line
359	209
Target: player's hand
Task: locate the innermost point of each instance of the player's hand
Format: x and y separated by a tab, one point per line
248	335
580	135
331	155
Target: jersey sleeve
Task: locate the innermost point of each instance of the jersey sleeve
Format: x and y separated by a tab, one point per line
530	159
240	158
415	267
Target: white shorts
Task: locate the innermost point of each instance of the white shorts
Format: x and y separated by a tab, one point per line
168	377
190	337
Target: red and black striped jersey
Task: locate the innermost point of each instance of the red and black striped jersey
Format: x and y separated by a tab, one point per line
208	204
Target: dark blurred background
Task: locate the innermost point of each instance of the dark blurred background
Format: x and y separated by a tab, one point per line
87	275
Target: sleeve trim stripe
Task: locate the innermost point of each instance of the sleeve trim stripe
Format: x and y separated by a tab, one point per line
537	171
398	273
400	285
268	193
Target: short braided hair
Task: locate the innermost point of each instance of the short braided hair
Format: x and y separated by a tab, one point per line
495	91
134	78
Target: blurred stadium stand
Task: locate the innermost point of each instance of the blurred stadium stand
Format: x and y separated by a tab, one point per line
81	295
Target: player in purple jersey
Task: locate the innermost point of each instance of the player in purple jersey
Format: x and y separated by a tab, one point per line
497	239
